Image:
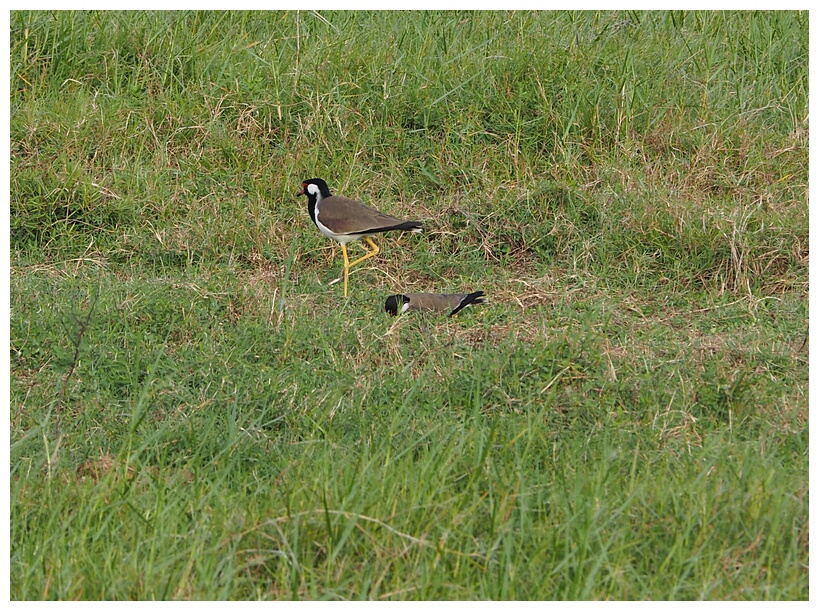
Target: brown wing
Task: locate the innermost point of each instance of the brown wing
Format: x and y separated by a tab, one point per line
443	302
344	216
436	302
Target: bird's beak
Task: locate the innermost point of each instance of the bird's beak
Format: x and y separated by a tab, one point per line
303	191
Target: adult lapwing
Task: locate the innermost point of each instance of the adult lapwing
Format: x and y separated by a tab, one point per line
346	220
432	302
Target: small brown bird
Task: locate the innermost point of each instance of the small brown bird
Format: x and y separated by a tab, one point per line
434	302
346	220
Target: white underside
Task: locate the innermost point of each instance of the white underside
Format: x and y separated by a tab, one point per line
343	238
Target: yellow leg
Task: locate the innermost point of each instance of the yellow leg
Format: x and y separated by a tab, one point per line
372	253
347	265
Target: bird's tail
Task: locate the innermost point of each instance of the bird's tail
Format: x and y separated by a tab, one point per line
471	298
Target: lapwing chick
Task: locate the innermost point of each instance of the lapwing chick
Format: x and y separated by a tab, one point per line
346	220
431	302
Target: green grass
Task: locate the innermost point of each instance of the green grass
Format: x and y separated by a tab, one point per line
195	414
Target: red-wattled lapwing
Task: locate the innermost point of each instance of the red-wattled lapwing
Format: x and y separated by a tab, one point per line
346	220
434	302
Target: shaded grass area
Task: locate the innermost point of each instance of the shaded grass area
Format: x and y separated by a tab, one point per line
627	418
450	519
583	453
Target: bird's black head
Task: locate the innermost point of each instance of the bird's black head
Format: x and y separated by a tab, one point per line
314	187
394	303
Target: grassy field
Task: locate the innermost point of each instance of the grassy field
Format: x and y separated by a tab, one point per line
195	413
